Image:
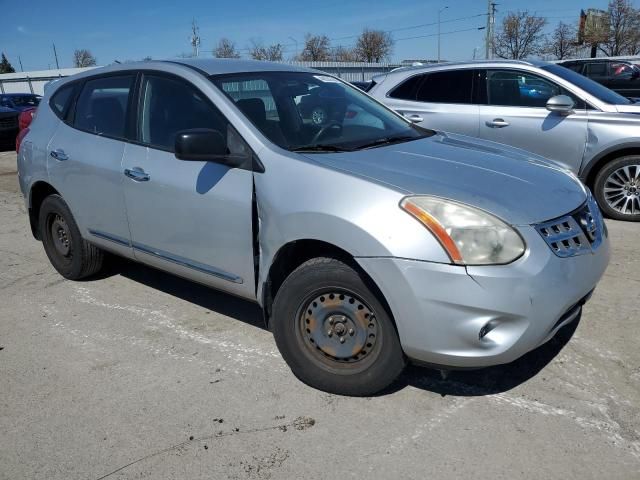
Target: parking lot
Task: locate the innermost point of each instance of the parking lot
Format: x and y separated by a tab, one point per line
138	374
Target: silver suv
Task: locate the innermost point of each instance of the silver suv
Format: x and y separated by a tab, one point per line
366	243
540	107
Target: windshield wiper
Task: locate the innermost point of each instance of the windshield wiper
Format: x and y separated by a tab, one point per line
388	141
319	148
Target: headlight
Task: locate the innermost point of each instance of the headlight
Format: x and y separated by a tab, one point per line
469	235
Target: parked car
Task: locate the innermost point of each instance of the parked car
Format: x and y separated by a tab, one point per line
365	245
620	76
8	125
19	101
539	107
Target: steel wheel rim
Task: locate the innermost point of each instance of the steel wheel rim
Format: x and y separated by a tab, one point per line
60	236
338	330
622	190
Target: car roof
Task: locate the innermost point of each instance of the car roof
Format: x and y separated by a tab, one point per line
468	64
20	94
219	66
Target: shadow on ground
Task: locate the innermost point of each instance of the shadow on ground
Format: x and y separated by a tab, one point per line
485	381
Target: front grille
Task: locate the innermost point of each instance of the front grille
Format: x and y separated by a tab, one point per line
9	122
577	233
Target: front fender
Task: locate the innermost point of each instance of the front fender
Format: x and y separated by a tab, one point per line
299	200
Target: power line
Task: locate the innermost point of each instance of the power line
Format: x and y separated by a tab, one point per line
411	27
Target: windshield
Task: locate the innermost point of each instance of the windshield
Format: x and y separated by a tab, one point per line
302	111
593	88
25	100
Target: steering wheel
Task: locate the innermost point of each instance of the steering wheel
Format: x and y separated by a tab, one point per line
316	138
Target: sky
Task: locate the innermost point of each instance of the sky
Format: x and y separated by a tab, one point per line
131	30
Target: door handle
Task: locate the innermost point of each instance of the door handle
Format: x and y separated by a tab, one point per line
497	123
59	154
414	117
137	174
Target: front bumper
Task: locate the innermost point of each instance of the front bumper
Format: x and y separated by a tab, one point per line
479	316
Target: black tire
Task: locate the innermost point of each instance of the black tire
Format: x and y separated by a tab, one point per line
70	254
606	178
333	285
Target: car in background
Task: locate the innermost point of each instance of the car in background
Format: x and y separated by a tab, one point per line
19	101
364	244
540	107
620	76
8	125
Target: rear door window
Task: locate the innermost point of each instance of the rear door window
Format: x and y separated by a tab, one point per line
102	106
454	86
596	69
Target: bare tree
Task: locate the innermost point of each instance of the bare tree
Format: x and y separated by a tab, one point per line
624	30
316	48
373	45
272	53
83	58
521	36
226	49
563	43
343	54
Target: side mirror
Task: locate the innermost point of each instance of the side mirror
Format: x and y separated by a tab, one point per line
201	144
561	104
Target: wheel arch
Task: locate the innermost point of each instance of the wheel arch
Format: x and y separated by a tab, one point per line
591	171
37	193
293	254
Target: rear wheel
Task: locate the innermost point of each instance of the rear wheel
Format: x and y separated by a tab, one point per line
617	188
72	256
333	332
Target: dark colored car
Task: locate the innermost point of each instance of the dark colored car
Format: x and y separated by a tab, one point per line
8	125
620	76
19	101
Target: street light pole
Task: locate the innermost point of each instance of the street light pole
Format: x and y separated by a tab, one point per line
439	12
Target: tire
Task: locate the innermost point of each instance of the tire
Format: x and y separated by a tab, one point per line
70	254
333	332
621	179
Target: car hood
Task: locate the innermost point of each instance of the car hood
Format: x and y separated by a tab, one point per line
517	186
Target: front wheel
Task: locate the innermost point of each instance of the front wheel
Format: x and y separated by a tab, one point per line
333	332
617	189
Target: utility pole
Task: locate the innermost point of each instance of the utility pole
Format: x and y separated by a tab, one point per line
55	54
491	22
195	38
296	42
439	12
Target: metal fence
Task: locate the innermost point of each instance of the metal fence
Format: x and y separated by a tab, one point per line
34	82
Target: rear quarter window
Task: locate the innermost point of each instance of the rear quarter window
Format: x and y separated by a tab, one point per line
407	89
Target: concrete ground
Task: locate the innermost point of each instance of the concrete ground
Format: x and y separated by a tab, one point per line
139	374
